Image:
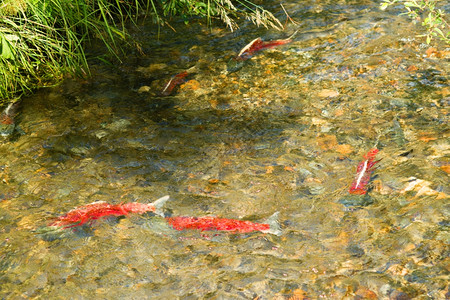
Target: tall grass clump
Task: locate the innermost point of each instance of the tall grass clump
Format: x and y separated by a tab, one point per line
226	10
42	40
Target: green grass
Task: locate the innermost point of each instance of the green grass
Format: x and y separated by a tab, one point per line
432	18
43	40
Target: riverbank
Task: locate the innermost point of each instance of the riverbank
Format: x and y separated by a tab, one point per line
42	42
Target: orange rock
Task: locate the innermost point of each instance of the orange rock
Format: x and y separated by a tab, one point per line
365	293
312	179
299	294
426	137
327	142
446	168
339	112
433	52
412	68
397	61
326	93
344	149
269	169
444	92
191	85
213	103
289	168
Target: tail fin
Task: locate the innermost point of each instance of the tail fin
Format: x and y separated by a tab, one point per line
275	227
159	205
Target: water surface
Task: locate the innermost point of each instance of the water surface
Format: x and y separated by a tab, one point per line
283	133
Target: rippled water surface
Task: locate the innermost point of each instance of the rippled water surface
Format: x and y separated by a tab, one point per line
284	133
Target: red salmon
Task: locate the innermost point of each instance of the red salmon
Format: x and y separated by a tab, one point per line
257	45
221	224
363	173
97	210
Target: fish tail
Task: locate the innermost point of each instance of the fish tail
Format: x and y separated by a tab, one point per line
274	225
158	204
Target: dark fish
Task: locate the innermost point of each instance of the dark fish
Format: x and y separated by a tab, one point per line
7	123
399	136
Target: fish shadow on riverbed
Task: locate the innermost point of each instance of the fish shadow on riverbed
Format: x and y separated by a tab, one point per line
50	234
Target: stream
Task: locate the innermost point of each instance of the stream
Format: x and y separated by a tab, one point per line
282	133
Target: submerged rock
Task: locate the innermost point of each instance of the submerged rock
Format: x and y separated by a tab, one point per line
356	200
235	65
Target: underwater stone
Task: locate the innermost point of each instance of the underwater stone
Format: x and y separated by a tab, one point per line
6	129
355	250
356	200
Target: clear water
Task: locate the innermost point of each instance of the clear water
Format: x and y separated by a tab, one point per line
284	133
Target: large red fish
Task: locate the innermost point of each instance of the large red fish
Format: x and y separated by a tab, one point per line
221	224
90	212
363	173
97	210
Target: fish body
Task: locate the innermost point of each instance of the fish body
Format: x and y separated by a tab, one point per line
363	173
237	62
100	209
209	223
175	81
257	45
88	213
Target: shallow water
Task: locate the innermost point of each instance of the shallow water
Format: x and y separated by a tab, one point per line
284	133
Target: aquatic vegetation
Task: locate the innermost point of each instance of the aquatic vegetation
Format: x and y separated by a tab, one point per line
42	41
433	18
225	10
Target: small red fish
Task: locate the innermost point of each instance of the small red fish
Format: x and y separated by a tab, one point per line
7	116
97	210
175	81
257	45
363	172
221	224
6	120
